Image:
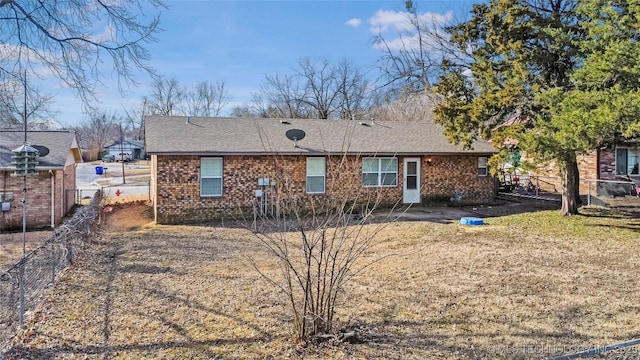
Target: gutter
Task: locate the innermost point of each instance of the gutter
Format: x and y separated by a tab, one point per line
321	153
38	168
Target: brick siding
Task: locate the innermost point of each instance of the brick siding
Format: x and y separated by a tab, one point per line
38	198
176	183
608	164
549	177
598	164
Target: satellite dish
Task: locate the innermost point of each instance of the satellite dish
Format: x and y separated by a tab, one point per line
295	135
42	150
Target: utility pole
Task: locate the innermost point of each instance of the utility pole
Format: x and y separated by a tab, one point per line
24	160
124	181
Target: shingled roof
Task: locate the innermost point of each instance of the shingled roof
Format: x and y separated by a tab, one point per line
62	145
166	135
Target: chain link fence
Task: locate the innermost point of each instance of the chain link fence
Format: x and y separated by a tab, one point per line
607	193
618	194
37	270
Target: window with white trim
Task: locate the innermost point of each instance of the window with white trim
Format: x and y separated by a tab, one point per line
627	160
315	175
483	166
211	177
379	172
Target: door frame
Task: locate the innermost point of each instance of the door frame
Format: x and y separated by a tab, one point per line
412	196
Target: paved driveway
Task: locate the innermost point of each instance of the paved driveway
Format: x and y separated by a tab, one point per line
88	181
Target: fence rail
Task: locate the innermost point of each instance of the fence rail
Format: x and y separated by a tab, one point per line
608	193
37	270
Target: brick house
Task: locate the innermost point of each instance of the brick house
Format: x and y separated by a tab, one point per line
612	164
203	168
50	193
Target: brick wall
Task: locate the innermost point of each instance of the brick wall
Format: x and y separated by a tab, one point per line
66	191
444	175
549	176
176	189
608	164
38	198
38	188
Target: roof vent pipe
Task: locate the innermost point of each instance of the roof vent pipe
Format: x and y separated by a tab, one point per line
187	122
373	121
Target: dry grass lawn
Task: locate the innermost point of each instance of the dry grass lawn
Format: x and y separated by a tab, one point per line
11	245
523	286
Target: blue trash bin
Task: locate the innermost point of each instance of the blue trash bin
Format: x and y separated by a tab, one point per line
99	170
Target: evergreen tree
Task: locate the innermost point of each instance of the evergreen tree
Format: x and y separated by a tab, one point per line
560	77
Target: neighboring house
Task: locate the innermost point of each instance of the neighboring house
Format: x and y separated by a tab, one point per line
204	168
131	147
50	193
613	165
618	163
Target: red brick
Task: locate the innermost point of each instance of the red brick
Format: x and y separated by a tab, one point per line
176	183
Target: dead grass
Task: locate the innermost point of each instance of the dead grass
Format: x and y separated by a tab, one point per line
522	286
11	245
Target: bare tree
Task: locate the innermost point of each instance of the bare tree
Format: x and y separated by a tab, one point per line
71	39
321	86
407	107
243	111
354	91
100	129
135	120
13	106
166	97
412	61
316	89
281	96
206	99
318	241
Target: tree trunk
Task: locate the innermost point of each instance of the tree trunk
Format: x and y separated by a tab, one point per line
570	176
577	187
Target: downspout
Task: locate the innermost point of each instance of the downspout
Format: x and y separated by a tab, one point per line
53	200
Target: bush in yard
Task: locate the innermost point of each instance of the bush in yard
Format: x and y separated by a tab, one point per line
318	241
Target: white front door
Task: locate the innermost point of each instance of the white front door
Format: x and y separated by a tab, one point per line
411	187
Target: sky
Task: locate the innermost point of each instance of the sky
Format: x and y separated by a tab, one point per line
240	42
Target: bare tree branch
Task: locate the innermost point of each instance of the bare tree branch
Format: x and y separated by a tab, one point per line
72	39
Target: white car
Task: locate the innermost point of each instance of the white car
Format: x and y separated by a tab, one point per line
126	157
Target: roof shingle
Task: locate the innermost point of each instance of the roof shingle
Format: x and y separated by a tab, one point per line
59	143
226	136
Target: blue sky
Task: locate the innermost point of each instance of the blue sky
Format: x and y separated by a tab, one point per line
239	42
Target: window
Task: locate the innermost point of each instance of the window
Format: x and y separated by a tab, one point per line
627	161
412	175
380	172
211	177
483	166
315	175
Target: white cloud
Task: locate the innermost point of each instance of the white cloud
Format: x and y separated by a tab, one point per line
406	37
385	19
355	22
400	21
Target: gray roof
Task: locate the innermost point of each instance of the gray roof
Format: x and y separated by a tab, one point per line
60	144
225	136
135	143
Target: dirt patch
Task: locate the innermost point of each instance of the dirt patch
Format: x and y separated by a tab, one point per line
125	199
129	216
